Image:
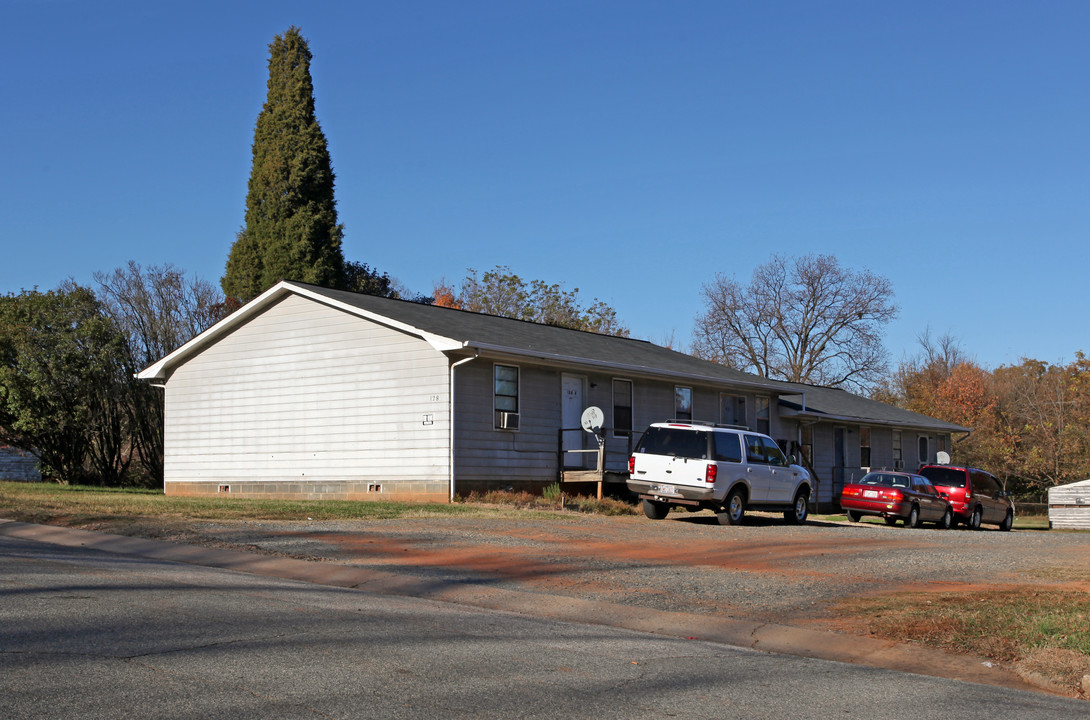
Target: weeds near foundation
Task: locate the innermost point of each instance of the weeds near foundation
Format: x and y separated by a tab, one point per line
552	493
550	499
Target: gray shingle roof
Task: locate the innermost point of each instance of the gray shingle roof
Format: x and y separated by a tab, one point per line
547	341
459	329
834	403
527	338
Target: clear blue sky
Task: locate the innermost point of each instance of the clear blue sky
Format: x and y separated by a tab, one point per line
629	149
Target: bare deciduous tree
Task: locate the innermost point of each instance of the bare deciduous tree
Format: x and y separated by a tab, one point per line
158	309
915	383
804	320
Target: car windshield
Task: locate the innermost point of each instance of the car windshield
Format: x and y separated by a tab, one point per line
885	480
944	476
675	442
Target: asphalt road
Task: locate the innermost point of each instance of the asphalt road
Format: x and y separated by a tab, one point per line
89	634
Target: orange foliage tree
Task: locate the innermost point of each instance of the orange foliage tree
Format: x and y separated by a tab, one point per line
1030	422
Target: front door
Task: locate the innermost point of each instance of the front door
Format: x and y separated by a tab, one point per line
571	403
838	461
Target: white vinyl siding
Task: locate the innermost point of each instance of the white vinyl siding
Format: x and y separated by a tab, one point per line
304	392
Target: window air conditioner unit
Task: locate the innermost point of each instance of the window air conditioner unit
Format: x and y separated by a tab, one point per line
898	464
509	421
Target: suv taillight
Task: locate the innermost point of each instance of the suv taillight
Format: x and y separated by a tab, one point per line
631	464
711	473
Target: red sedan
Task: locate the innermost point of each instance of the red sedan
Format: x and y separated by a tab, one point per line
896	496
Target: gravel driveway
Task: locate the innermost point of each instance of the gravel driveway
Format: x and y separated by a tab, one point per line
763	570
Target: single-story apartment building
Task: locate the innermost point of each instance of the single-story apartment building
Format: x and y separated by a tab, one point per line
307	392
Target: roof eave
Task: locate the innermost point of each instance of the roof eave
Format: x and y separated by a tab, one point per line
771	387
857	420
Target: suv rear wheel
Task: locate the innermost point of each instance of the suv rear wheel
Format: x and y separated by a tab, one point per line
733	510
975	518
655	510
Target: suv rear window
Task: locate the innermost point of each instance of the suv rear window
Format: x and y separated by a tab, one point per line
944	477
674	442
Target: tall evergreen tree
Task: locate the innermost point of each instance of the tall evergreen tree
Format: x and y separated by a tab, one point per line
291	230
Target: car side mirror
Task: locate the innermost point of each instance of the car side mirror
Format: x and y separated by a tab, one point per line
792	460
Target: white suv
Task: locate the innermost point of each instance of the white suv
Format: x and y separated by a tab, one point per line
723	469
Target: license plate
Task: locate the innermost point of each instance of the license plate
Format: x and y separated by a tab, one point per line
663	488
870	493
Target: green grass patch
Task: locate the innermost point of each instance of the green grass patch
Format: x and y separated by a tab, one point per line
76	505
48	503
1002	625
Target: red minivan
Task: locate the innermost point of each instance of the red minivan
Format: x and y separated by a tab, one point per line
975	495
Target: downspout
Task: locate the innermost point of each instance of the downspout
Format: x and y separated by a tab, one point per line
450	458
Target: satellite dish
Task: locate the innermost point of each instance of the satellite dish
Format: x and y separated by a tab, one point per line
942	458
592	420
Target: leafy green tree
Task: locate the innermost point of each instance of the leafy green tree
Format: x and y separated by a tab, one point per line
501	292
361	278
63	384
291	230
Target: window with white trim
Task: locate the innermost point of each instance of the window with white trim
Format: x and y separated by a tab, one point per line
505	400
683	403
622	408
806	441
763	417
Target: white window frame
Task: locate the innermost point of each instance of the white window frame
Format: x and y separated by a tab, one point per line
496	425
767	429
623	432
677	396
